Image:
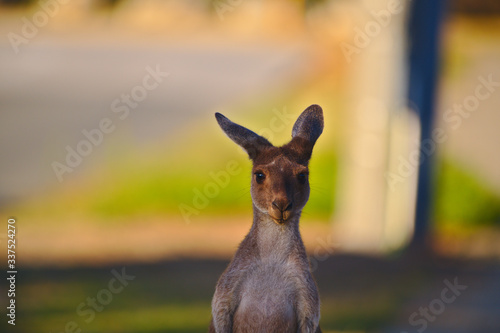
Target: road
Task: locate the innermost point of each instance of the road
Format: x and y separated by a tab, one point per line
54	89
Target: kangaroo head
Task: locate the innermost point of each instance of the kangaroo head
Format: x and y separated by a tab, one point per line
280	181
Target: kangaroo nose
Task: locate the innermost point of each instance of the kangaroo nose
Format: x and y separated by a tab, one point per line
282	205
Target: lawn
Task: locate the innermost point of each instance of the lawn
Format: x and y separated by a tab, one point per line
358	294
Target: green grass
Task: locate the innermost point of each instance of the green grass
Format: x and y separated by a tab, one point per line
175	296
168	318
152	185
210	189
462	199
171	297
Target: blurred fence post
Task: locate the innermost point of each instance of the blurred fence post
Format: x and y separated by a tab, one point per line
385	172
424	36
371	215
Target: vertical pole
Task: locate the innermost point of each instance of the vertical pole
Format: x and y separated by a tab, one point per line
424	41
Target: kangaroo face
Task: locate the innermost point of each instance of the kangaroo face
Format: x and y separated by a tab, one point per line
280	186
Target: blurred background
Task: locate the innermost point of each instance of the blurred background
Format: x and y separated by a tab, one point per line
129	200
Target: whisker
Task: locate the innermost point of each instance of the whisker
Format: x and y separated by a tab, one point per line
321	190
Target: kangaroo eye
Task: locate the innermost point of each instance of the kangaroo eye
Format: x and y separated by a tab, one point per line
302	177
259	177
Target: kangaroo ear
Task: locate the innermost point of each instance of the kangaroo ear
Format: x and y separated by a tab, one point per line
306	131
248	140
309	125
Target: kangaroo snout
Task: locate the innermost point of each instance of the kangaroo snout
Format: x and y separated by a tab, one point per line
281	209
282	204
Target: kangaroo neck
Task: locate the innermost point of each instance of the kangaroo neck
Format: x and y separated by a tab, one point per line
275	240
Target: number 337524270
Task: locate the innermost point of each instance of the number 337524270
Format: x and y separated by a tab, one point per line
11	243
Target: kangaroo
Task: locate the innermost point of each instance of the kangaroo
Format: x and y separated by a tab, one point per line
268	285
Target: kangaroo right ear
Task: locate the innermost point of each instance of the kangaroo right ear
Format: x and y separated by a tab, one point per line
309	125
248	140
306	131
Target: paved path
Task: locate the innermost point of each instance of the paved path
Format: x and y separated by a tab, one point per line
473	307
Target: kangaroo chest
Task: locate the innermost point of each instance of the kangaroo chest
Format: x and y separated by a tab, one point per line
275	273
270	291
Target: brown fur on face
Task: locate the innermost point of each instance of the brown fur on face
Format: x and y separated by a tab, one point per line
280	185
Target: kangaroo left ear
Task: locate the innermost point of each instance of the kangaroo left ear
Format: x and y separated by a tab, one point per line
253	143
309	125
